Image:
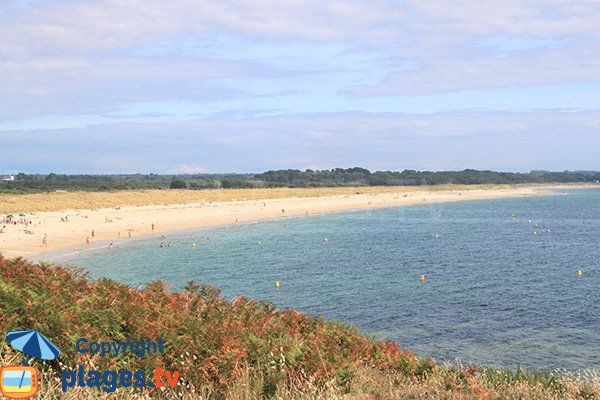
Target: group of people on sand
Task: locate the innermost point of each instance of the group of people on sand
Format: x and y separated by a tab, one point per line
111	244
93	234
10	220
18	221
87	239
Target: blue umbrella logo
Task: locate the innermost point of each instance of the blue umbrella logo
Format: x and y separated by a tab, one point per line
33	344
21	382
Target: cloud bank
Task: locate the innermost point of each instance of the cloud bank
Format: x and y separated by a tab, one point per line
442	85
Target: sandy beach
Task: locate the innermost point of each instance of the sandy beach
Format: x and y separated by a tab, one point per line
72	229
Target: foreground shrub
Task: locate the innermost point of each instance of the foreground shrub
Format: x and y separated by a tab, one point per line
239	349
211	341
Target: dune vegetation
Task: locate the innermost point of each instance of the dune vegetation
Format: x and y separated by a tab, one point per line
62	200
236	349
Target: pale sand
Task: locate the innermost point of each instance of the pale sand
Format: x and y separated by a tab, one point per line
115	224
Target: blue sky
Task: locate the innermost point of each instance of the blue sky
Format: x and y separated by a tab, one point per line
112	86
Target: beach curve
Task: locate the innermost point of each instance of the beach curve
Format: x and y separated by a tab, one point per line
71	229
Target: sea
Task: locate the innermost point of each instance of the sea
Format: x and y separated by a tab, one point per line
506	283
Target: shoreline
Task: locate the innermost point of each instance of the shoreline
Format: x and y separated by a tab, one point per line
118	223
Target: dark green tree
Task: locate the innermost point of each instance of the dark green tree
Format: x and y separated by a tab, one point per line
178	184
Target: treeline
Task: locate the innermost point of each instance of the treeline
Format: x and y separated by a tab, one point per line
24	183
363	177
28	183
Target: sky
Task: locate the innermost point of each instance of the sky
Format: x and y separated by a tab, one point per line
194	86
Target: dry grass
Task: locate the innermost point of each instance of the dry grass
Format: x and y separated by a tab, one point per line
366	384
57	201
455	382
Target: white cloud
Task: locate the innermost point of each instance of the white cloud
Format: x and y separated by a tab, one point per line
550	139
70	57
187	169
67	27
576	63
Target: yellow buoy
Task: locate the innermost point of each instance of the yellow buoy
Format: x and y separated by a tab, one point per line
326	240
535	233
580	273
277	284
259	242
422	278
535	224
437	235
193	244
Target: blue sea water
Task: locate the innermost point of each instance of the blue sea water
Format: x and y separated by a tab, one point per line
494	292
17	379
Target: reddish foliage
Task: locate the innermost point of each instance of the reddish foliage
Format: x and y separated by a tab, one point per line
217	340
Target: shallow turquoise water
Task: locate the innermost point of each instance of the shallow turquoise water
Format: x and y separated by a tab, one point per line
494	292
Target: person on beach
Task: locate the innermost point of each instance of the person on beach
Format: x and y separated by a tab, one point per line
153	227
110	246
92	233
45	240
129	234
87	240
162	245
